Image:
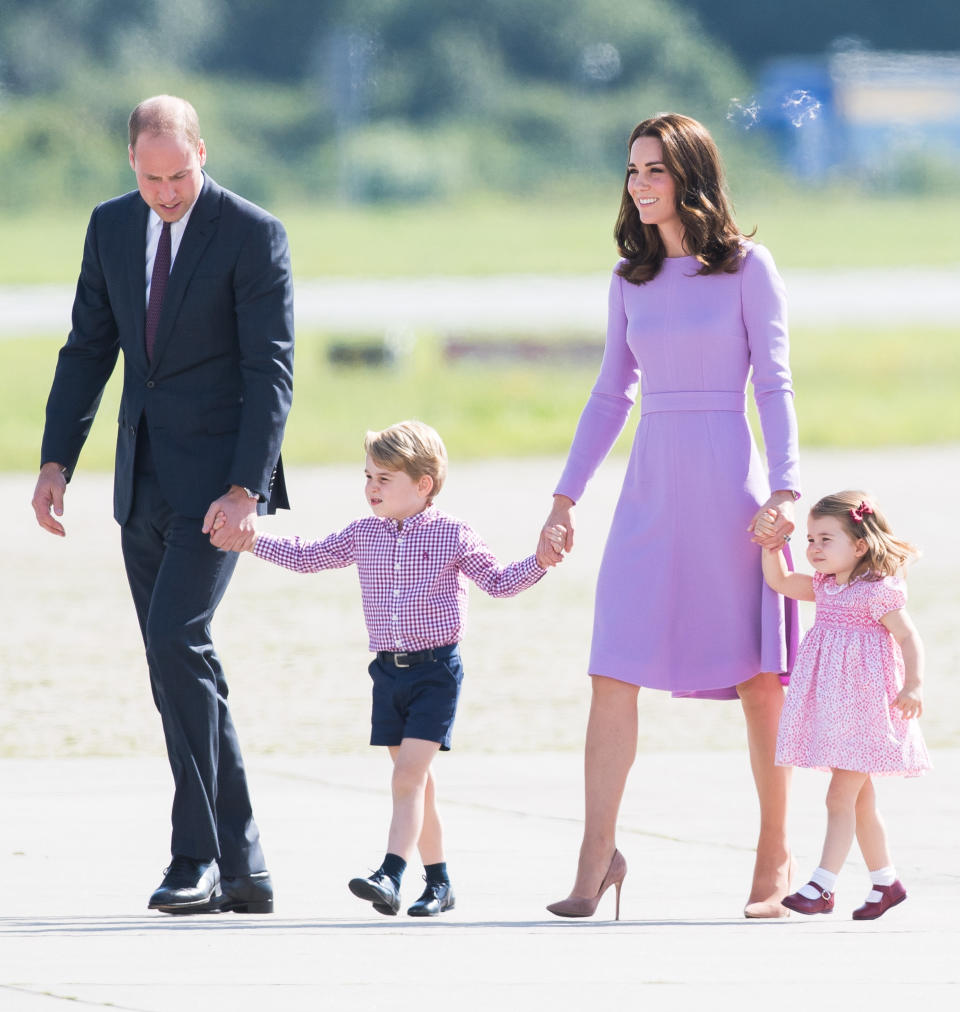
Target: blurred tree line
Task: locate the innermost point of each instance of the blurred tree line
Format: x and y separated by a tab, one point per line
356	99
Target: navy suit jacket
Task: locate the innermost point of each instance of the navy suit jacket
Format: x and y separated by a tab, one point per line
217	392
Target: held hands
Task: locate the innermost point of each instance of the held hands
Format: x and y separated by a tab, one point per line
765	528
773	523
556	537
231	521
48	496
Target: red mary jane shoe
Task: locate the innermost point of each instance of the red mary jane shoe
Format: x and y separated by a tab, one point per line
890	896
823	904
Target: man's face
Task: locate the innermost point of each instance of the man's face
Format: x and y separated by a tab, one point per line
168	173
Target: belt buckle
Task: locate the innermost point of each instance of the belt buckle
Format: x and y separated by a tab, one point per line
401	664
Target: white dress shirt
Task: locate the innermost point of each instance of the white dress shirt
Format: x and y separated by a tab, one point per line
154	228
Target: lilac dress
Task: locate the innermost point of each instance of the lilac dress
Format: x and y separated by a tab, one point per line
681	602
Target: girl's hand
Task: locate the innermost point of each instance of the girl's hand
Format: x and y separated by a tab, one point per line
781	505
549	553
909	702
766	525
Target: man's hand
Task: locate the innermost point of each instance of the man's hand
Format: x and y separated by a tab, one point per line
238	531
48	495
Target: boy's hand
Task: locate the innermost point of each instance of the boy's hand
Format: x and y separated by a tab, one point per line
909	702
560	519
220	521
556	537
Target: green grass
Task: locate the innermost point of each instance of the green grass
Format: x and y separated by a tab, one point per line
888	387
567	233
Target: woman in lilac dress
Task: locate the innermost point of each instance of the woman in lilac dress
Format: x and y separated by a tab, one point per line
681	605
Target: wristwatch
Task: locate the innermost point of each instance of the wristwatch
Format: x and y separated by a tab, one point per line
250	493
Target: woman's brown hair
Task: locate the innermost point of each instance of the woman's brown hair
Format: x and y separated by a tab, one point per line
860	517
709	231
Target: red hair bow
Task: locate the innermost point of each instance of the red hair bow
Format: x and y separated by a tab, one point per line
860	512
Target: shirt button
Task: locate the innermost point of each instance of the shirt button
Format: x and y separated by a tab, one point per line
394	617
396	593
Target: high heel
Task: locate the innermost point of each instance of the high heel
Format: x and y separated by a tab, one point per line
586	906
772	906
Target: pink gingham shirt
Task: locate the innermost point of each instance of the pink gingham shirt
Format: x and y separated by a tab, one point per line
412	578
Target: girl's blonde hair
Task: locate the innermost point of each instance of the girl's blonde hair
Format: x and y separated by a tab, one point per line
860	517
411	447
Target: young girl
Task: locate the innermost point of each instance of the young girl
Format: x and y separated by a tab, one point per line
855	688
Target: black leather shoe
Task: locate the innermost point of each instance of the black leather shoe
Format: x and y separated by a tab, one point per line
187	884
437	897
243	894
379	890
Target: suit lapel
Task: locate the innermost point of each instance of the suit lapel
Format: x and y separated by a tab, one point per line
196	237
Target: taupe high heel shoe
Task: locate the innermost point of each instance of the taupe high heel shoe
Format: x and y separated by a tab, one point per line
771	907
586	906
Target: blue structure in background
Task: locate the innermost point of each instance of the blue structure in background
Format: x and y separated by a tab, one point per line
859	112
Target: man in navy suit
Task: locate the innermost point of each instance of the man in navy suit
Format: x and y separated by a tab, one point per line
193	284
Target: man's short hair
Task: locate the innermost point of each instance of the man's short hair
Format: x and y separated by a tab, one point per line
165	115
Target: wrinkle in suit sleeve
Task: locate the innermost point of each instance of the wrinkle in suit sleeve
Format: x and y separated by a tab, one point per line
263	288
85	362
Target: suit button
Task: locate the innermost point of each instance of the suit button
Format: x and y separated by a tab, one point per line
133	431
150	384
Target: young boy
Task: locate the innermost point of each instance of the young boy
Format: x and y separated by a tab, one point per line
413	561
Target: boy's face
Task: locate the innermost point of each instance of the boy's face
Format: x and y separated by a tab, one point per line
395	494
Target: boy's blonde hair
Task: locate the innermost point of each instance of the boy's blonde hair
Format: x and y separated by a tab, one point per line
860	517
411	447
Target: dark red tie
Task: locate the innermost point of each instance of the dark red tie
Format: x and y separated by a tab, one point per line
158	285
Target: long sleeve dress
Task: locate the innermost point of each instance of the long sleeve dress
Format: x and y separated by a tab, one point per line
681	603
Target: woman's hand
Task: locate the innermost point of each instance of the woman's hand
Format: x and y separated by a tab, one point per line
773	523
551	546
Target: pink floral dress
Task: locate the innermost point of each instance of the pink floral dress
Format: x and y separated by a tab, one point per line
839	708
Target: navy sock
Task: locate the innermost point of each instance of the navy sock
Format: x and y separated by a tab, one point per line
437	873
394	866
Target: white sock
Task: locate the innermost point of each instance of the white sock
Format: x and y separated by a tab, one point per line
881	877
823	878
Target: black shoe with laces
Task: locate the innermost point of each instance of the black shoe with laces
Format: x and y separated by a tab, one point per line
187	883
437	897
380	890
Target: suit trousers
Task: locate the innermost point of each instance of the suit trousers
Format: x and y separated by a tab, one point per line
177	579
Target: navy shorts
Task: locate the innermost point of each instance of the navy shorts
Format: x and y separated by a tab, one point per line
415	696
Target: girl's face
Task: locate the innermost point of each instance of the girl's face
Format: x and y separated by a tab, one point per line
395	494
831	550
651	187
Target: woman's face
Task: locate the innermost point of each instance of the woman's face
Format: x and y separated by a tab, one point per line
651	187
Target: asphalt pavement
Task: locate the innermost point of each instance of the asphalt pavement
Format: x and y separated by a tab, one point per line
82	848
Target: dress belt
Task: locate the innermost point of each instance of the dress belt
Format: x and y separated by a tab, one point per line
693	400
